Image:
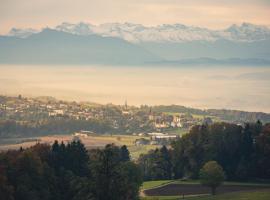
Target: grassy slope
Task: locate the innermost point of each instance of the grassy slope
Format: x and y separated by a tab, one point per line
152	184
256	195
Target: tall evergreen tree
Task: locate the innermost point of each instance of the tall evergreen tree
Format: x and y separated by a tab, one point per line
124	154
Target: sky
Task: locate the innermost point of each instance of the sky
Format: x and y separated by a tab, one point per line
214	14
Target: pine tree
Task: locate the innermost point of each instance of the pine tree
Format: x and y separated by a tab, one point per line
124	154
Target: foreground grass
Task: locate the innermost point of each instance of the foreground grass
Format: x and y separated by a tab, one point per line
255	195
263	194
152	184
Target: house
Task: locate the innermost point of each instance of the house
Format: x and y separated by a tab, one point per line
161	125
176	124
167	137
162	138
155	134
141	134
84	135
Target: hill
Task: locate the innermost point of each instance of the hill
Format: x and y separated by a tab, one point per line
222	114
56	47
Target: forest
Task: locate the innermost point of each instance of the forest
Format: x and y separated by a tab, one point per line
243	153
70	172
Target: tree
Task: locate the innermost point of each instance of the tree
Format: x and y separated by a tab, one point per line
77	158
124	153
165	163
263	153
114	179
156	164
212	175
6	190
129	181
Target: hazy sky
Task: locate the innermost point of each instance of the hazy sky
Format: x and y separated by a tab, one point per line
214	14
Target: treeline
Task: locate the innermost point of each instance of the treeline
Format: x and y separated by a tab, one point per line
236	115
243	152
68	171
178	109
222	114
12	128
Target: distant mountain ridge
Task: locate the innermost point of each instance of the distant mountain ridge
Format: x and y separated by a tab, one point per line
135	44
56	47
175	33
219	50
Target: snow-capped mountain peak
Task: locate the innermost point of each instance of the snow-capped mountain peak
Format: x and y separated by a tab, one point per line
79	29
173	33
248	32
22	33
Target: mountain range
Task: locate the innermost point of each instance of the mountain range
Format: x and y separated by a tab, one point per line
127	43
56	47
175	33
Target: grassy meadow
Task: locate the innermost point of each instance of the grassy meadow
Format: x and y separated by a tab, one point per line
252	195
94	141
262	194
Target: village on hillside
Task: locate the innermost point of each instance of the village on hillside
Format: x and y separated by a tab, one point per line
122	119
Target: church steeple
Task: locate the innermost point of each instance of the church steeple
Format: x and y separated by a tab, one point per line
126	106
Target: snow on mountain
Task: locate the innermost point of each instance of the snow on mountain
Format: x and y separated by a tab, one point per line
126	31
173	33
22	33
78	29
248	32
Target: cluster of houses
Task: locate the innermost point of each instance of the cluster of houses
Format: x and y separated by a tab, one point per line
163	121
156	139
118	116
21	107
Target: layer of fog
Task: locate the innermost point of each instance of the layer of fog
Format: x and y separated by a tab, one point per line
239	88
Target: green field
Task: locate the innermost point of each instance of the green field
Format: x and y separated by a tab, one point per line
263	194
152	184
92	141
178	131
254	195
